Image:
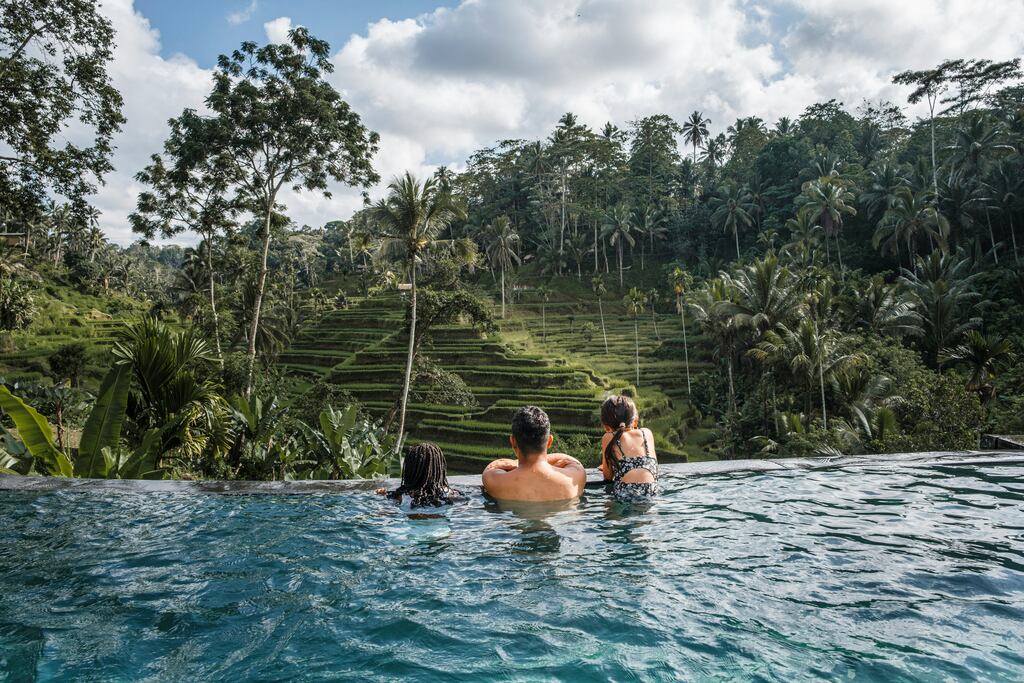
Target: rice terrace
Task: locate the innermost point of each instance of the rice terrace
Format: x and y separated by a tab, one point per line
483	340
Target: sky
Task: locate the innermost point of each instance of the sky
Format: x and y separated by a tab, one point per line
441	79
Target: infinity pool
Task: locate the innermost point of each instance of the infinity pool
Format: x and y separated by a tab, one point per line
876	573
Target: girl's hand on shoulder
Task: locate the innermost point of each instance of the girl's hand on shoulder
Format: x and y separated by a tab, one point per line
381	492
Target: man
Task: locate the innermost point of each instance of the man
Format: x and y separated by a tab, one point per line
535	474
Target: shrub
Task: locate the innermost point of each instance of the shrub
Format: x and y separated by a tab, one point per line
68	363
17	308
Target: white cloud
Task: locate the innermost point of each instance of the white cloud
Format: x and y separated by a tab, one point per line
244	15
277	29
449	82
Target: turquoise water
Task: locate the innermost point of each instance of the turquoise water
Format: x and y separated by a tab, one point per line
867	574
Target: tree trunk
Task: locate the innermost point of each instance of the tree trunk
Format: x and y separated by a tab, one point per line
213	300
636	339
736	234
260	286
544	322
992	236
821	382
597	263
600	307
408	360
1013	236
620	263
839	253
732	387
503	292
641	254
654	317
686	351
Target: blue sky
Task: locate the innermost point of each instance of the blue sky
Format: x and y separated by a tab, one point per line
439	79
201	29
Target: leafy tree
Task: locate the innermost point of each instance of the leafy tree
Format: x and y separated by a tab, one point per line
53	74
277	121
17	307
982	356
68	363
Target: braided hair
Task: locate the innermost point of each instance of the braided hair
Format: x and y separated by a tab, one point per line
424	477
617	413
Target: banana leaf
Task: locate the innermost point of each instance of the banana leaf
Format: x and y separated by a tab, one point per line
36	434
103	428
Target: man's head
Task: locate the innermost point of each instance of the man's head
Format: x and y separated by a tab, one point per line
531	432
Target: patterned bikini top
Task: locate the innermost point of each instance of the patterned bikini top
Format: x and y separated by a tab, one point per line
637	462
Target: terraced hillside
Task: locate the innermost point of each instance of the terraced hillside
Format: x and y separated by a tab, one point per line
362	350
570	328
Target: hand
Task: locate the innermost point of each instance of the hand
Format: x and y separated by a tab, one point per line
561	460
505	464
381	492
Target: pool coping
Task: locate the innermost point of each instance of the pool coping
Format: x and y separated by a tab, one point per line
711	467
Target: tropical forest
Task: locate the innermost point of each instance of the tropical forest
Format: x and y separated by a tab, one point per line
844	281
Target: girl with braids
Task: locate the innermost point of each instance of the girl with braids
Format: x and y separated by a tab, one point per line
628	460
424	479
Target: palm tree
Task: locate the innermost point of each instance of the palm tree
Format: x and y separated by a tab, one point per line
883	309
649	223
652	297
784	126
617	229
908	217
636	301
804	239
731	207
502	240
827	201
983	356
410	219
1008	189
886	181
810	353
766	295
597	284
695	132
544	294
681	281
711	307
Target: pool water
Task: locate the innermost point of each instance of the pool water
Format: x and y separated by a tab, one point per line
866	574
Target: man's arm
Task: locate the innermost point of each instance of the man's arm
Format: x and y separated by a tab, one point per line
495	472
571	467
502	465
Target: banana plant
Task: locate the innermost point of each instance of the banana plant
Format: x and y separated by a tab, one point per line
99	455
347	446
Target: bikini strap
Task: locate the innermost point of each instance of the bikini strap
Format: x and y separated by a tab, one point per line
643	433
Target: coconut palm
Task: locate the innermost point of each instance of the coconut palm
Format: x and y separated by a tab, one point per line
983	356
410	219
649	223
597	284
784	126
810	353
652	298
804	240
766	295
884	185
1008	189
635	302
681	281
884	309
908	217
712	308
731	206
618	229
502	240
826	200
544	294
695	132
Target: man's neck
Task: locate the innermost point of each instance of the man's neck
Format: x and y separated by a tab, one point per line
532	462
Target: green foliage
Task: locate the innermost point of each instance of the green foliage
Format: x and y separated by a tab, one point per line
347	446
17	308
68	363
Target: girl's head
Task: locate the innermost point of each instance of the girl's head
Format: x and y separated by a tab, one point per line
618	413
424	475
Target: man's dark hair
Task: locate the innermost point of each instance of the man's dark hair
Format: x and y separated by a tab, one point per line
530	428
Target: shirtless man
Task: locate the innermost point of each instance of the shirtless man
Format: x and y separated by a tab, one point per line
535	474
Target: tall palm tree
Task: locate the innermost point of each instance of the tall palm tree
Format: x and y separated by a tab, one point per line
908	217
544	294
502	240
695	132
636	301
410	219
649	223
731	206
810	353
827	201
711	307
597	284
804	240
766	295
618	229
983	356
681	281
652	298
1008	190
784	126
885	182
